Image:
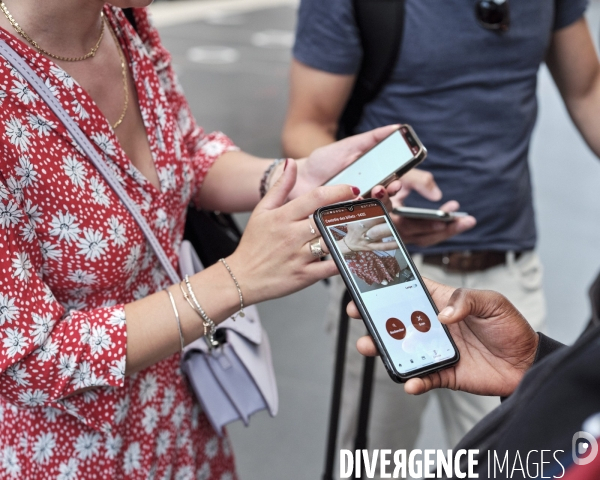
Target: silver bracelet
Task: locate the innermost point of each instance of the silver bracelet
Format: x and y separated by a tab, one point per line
264	182
209	326
237	285
181	340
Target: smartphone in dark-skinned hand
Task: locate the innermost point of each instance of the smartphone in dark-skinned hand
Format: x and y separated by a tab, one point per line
386	288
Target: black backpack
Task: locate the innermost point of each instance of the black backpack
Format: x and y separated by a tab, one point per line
380	25
214	235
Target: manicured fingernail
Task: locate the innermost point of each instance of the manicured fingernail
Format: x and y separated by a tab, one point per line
355	190
380	194
285	164
447	312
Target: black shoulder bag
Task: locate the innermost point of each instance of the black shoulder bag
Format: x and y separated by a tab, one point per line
380	26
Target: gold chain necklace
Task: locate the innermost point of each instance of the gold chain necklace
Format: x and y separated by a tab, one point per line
124	73
31	41
92	53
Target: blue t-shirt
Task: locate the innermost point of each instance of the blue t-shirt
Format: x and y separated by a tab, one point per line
470	95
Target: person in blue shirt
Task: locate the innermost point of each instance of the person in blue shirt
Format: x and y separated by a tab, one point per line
470	94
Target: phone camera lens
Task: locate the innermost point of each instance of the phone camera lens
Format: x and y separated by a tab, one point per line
351	208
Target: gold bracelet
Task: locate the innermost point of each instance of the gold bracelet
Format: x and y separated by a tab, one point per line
181	340
237	285
209	326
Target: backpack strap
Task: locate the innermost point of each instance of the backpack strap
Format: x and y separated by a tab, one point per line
380	25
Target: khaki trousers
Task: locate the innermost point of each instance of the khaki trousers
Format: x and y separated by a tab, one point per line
395	417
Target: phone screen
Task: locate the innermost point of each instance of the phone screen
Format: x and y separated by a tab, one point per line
377	164
379	268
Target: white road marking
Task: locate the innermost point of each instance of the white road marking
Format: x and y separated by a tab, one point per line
166	14
213	54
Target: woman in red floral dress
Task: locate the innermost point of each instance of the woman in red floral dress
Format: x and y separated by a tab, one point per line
90	385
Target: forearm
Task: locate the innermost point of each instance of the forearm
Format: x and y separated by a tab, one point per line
584	112
152	333
233	182
301	138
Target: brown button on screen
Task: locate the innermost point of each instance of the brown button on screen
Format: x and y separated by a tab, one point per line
395	328
420	321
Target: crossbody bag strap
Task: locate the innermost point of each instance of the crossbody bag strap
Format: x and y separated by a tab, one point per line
36	82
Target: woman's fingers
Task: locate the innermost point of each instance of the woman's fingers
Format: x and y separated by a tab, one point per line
315	249
305	205
394	187
380	193
322	269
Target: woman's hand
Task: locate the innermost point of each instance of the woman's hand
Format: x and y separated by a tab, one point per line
366	236
326	162
273	258
496	344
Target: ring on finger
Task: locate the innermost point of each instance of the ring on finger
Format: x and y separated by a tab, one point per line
316	249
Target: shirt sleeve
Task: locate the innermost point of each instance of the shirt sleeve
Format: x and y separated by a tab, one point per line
327	37
47	353
203	148
568	12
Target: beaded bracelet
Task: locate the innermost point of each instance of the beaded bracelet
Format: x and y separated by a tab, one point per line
209	326
264	182
237	285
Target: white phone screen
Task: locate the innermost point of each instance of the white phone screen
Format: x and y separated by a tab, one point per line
394	297
376	165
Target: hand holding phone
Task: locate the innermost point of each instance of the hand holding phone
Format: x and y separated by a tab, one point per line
387	289
385	162
508	346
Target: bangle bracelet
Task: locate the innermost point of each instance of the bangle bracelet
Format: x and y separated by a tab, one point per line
237	285
209	325
181	341
264	182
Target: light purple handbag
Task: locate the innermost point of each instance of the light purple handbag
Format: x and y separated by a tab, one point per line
231	381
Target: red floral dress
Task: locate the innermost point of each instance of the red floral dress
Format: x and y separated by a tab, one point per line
72	256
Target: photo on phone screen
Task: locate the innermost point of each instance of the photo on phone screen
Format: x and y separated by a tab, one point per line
365	244
394	155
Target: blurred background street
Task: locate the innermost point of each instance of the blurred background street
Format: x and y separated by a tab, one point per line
233	57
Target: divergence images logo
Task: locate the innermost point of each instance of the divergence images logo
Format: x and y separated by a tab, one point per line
585	448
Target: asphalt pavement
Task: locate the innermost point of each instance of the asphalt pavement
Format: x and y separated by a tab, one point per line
234	67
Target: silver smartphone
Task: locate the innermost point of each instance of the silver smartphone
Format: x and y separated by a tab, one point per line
385	162
428	214
387	289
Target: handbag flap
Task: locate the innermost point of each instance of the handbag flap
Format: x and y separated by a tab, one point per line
258	362
248	326
238	385
214	401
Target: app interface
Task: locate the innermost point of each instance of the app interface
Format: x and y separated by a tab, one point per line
399	308
375	165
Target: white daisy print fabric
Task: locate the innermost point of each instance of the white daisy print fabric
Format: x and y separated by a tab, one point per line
72	256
